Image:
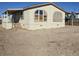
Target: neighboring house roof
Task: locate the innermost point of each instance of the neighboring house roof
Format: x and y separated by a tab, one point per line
40	5
71	12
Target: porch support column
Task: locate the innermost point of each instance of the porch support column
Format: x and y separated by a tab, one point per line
5	19
7	15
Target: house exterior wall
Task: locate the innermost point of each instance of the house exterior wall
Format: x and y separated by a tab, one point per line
26	17
6	22
29	18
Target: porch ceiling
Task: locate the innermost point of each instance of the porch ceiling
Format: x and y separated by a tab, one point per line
13	10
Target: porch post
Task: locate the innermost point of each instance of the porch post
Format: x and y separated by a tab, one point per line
4	20
7	15
7	18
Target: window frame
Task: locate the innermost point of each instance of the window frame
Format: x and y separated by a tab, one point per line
42	14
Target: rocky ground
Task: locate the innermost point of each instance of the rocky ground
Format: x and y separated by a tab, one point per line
48	42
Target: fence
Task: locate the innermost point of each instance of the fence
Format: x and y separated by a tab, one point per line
75	22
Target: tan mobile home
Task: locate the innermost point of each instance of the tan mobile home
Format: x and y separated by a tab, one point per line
41	16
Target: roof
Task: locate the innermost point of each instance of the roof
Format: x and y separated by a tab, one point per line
40	5
34	6
13	9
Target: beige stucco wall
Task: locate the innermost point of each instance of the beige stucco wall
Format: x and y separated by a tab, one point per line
6	22
26	19
29	18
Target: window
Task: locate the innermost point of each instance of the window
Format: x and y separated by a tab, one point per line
40	16
57	17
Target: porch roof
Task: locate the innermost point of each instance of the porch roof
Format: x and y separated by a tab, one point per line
13	10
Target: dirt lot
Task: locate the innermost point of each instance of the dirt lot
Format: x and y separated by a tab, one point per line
59	41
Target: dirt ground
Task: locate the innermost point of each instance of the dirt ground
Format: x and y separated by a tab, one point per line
44	42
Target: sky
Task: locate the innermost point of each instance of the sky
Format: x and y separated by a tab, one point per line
67	6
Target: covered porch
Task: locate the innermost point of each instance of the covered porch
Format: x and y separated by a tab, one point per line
13	16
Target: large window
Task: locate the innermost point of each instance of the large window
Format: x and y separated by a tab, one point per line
57	16
40	16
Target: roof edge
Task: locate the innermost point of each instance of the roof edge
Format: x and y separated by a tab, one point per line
45	4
